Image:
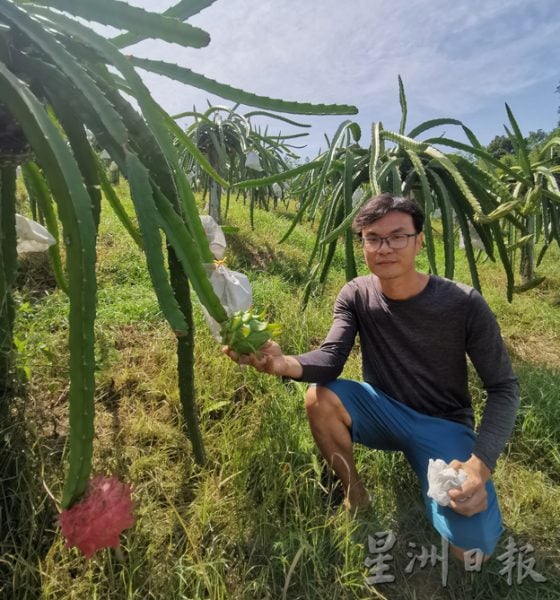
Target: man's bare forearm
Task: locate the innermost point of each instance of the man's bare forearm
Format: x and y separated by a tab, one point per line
292	368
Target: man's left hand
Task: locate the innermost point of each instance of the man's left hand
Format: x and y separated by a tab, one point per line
471	498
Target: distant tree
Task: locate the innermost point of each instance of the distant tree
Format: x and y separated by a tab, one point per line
500	146
536	138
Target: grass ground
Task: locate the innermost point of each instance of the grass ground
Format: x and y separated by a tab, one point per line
261	519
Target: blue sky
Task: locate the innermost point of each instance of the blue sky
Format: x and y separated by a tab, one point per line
462	59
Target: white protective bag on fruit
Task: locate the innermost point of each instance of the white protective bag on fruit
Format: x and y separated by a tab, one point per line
232	288
31	236
253	161
234	291
215	235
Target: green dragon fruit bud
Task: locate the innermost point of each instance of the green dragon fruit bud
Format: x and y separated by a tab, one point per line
245	332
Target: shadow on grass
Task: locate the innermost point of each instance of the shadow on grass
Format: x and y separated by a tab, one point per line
27	515
35	276
536	437
267	257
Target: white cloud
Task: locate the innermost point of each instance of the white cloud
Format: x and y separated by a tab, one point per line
456	58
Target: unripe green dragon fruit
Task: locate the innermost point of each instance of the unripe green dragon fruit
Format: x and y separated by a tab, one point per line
245	332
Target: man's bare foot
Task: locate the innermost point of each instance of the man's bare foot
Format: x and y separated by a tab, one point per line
357	499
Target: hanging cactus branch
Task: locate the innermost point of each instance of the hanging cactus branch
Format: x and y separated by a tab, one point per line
60	84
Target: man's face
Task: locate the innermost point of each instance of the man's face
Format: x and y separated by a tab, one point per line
391	263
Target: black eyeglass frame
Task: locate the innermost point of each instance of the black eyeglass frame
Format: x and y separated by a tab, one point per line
379	241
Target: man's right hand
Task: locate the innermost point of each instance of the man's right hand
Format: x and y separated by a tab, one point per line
269	359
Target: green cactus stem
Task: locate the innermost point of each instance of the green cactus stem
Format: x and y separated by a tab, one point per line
185	358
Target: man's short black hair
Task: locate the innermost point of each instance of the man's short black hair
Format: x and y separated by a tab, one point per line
377	207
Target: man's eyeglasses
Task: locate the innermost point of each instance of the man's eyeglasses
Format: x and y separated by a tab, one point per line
397	241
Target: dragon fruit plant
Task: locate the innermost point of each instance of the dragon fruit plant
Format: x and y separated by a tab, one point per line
60	87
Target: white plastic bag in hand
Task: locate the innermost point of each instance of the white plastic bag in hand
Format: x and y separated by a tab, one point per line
31	236
215	235
234	291
442	478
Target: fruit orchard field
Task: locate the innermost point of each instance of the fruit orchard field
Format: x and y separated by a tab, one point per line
262	519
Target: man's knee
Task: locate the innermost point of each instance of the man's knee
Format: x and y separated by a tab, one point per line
322	403
318	399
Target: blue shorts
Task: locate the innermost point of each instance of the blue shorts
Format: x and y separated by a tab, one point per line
381	422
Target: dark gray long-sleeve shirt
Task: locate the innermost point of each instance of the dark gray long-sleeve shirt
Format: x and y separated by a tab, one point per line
415	351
